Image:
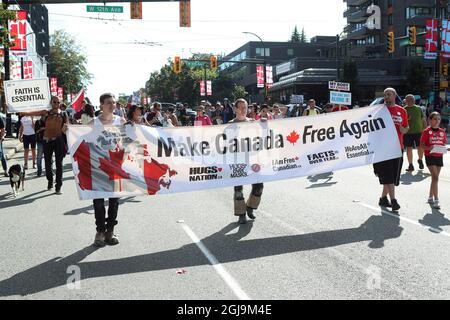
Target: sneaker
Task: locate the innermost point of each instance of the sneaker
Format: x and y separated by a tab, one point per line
242	219
250	213
395	205
58	191
99	240
410	168
111	239
430	201
50	185
421	166
384	202
436	205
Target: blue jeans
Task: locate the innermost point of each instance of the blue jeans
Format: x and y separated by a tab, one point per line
40	155
2	157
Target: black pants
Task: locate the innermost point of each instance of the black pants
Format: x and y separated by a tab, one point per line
103	224
56	147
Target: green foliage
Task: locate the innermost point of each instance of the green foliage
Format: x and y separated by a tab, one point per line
68	62
239	92
6	15
417	78
166	86
303	38
295	37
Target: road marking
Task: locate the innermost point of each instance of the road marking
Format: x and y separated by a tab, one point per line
417	223
220	269
348	259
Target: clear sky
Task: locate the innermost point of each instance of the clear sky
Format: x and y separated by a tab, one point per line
122	53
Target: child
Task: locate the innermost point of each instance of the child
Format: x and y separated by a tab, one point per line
432	138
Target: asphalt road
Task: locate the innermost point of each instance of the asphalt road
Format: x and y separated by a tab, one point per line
321	237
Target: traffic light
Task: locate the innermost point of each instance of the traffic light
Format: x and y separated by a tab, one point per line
391	42
177	64
445	69
213	62
412	35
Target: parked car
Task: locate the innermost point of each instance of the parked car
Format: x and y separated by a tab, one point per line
14	121
380	100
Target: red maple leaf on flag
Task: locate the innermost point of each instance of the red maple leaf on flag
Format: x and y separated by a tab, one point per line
293	137
113	167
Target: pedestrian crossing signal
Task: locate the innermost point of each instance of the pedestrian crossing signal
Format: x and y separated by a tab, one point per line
213	62
391	42
177	65
412	32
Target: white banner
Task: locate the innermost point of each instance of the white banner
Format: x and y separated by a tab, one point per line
27	95
136	160
340	86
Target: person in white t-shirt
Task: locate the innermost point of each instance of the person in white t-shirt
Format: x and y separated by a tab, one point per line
27	135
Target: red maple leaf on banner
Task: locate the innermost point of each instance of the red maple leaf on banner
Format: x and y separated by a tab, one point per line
113	167
293	137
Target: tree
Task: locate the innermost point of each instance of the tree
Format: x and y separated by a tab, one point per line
68	62
417	78
303	38
6	15
295	37
239	92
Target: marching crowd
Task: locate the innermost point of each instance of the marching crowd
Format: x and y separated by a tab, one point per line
45	131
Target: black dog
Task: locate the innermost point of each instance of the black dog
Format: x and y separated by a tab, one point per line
16	178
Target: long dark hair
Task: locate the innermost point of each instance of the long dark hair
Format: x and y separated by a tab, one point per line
131	112
89	110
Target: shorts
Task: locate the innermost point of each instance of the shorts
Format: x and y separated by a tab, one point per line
388	172
412	140
29	140
434	161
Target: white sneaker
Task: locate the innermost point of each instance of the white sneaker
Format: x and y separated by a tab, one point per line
430	201
436	205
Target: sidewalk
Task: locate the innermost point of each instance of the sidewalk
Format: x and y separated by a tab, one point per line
11	146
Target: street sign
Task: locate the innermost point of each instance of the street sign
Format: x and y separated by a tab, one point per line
344	98
109	9
341	86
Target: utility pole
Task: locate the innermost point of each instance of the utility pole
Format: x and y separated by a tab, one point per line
7	76
437	71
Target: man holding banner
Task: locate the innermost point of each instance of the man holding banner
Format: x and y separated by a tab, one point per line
388	171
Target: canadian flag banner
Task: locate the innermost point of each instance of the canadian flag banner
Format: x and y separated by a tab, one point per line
16	70
77	101
123	161
260	76
60	93
54	86
28	69
269	76
445	38
209	88
431	39
18	31
202	88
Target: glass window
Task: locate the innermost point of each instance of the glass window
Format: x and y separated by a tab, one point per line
390	20
263	53
412	12
290	52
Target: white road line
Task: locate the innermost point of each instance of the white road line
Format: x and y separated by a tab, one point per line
438	231
220	269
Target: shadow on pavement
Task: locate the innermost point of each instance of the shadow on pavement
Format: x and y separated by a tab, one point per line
436	220
408	178
90	207
226	248
328	176
7	200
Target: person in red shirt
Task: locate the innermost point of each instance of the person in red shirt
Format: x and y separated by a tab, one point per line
202	119
264	114
339	107
431	137
388	172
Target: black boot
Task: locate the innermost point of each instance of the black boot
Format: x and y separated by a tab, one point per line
384	202
250	213
242	219
395	205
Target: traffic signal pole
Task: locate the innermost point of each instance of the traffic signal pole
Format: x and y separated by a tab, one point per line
437	62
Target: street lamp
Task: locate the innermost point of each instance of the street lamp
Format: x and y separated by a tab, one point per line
338	37
264	60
